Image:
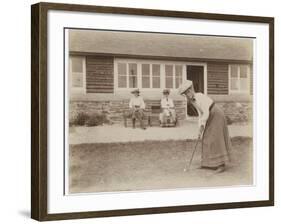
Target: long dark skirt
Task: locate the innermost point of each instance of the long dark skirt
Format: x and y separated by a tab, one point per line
216	143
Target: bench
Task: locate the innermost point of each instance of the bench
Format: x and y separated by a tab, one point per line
151	115
127	114
154	112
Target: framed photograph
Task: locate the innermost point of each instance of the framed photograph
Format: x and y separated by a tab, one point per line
141	111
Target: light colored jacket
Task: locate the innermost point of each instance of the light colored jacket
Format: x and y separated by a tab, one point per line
137	101
167	103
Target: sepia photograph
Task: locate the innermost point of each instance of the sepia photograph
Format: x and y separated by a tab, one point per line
143	111
150	111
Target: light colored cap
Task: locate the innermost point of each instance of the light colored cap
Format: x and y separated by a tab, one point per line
185	86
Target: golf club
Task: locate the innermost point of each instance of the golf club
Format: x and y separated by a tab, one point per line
187	168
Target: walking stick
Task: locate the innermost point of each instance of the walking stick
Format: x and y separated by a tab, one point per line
187	168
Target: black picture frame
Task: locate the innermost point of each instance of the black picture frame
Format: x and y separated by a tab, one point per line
39	107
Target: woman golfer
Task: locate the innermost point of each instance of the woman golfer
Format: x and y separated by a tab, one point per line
212	128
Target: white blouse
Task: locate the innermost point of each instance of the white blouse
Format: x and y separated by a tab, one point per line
137	101
167	103
202	104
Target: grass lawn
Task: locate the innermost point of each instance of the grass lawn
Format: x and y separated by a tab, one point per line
149	165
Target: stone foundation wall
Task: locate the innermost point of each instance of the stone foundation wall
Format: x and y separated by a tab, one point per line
114	109
236	112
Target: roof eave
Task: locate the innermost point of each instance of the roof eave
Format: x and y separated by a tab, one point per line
154	57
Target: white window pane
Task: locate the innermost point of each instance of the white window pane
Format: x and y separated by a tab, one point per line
169	70
178	81
243	71
133	82
155	76
178	70
178	75
169	82
122	81
122	68
156	82
77	64
233	71
155	70
132	69
234	84
244	84
145	68
169	76
145	82
77	79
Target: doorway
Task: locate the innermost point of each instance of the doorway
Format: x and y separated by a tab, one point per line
195	73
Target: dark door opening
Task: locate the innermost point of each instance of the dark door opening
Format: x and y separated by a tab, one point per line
195	73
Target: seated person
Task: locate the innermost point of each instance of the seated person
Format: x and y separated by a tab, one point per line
168	108
137	107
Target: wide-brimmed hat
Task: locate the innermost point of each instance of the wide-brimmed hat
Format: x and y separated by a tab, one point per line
184	86
166	91
135	91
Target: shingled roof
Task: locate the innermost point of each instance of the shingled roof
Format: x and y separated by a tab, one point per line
164	45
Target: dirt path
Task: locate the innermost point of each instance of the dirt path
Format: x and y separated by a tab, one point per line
118	133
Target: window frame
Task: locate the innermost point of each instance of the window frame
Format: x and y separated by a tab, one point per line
126	76
83	88
239	91
173	75
150	76
151	62
183	72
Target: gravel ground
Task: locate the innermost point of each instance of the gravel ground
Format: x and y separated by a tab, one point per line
148	165
118	133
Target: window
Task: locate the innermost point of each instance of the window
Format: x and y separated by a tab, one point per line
239	79
234	77
150	74
122	75
178	75
147	74
244	78
169	80
77	72
127	75
133	75
155	76
173	74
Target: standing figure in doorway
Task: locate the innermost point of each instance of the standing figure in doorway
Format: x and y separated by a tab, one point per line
213	129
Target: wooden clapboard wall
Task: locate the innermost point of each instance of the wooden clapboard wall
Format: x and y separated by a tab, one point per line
99	74
217	74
